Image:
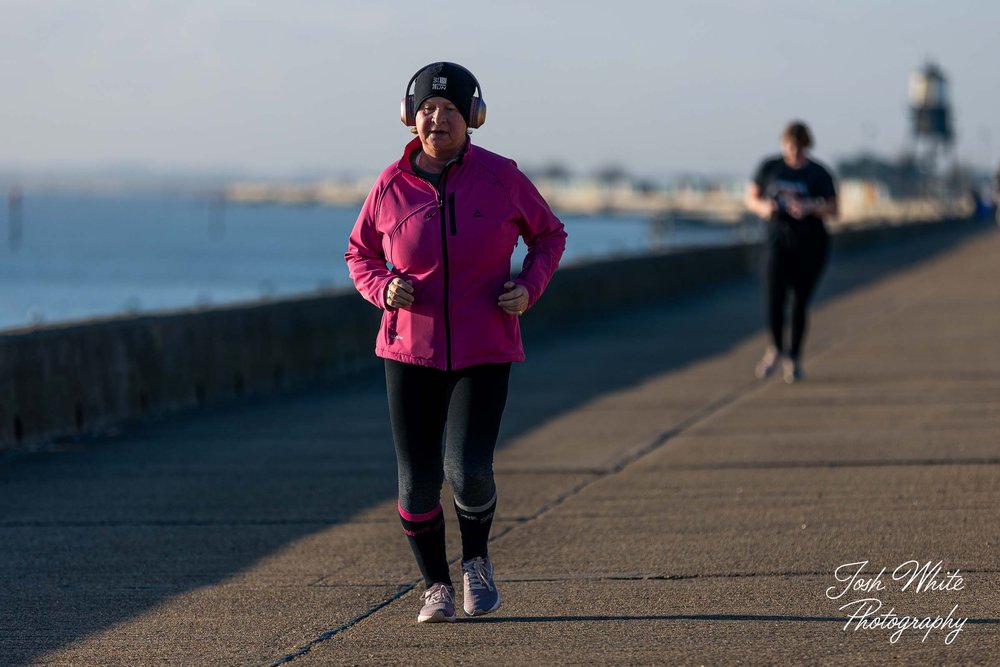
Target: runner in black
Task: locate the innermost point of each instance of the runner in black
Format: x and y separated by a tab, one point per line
793	193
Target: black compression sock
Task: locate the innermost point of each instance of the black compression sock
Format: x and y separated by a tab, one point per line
475	524
425	533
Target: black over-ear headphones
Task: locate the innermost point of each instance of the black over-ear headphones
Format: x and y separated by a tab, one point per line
477	109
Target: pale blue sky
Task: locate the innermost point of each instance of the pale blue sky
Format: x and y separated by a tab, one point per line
660	87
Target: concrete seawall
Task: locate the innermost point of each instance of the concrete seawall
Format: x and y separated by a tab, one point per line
62	382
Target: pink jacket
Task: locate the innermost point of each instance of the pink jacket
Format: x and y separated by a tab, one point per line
456	250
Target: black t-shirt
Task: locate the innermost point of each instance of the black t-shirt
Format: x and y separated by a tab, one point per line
780	182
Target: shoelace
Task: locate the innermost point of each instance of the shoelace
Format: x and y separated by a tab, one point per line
478	578
437	594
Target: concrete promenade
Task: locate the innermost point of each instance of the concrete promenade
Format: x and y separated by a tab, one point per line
657	504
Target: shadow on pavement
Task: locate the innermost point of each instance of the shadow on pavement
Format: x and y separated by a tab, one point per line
96	533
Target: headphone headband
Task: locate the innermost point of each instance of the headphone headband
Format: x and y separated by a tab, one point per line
477	107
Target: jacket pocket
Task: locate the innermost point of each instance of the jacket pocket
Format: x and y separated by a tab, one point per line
510	328
389	322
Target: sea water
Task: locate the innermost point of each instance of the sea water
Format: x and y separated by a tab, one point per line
80	256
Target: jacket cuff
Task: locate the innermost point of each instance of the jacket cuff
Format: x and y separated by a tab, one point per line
381	294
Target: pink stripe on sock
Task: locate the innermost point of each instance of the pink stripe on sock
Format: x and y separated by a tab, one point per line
426	516
426	529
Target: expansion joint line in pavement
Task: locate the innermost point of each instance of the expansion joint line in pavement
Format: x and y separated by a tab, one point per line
657	442
330	633
546	579
850	463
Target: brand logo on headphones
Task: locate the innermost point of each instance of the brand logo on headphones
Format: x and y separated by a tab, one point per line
439	83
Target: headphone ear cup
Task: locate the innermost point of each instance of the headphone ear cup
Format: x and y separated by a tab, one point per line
477	113
406	114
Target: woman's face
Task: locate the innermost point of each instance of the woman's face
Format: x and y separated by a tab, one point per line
793	153
440	127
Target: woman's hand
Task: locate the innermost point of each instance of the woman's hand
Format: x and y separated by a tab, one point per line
399	293
514	300
800	208
757	204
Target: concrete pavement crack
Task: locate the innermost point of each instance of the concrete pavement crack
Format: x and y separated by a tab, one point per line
699	415
657	442
772	465
682	577
330	633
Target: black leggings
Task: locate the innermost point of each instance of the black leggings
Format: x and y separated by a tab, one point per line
793	264
422	401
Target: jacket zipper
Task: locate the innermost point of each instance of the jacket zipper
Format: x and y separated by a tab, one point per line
444	252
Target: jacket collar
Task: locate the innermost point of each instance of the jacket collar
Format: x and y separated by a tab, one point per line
404	163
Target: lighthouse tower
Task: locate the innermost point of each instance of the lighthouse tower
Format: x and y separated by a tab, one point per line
930	109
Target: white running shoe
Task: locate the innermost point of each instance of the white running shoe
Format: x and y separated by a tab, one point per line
767	364
481	594
438	604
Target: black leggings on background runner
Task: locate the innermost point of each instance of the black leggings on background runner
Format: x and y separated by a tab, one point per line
794	262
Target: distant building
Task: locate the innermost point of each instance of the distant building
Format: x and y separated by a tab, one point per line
902	178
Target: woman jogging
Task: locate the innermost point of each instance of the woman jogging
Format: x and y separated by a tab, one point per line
793	193
432	248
